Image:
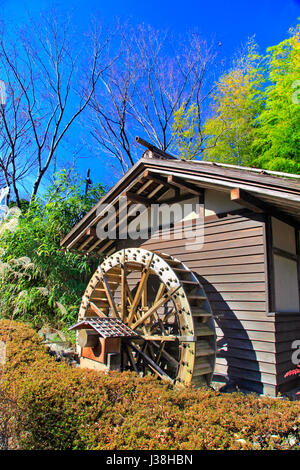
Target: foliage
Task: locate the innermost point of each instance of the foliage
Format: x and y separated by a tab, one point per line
187	132
8	419
293	372
236	104
38	281
60	407
255	118
277	138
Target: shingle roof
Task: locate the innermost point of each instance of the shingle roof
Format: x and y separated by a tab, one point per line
106	327
278	190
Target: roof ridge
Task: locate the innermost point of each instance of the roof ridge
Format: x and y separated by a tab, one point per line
248	168
163	154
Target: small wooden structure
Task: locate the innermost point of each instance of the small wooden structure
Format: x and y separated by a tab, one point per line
100	341
226	309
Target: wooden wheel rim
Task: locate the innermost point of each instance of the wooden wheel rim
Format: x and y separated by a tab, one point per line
196	334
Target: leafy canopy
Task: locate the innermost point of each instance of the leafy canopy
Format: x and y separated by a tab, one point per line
237	102
277	137
255	112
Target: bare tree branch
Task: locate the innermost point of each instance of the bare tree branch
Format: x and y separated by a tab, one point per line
154	75
51	78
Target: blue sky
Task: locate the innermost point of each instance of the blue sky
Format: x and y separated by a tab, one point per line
229	22
232	21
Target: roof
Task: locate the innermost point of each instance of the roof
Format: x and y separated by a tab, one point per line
106	327
152	177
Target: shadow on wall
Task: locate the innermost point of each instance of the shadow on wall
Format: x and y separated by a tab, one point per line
238	360
229	345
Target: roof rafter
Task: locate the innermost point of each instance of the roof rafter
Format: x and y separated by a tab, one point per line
255	204
191	188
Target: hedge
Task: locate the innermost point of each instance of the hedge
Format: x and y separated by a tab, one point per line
55	406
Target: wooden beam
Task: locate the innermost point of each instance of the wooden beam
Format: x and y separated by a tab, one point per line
181	184
166	355
159	338
151	363
86	242
247	200
110	242
109	296
96	310
91	248
130	357
153	149
157	179
91	232
139	199
255	204
140	289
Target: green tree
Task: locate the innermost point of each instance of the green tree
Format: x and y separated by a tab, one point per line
227	134
277	135
38	281
236	104
255	112
188	138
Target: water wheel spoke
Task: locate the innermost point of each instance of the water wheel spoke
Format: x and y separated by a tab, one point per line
159	337
160	292
145	297
123	291
157	325
169	314
151	353
155	307
160	351
151	364
166	355
161	326
110	297
128	294
139	292
143	349
154	327
96	310
131	358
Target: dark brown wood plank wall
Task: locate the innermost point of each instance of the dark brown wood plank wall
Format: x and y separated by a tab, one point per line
231	267
254	348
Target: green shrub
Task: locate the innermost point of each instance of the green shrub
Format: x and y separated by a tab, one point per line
59	407
39	282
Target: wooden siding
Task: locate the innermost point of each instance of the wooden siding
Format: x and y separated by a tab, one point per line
231	267
254	348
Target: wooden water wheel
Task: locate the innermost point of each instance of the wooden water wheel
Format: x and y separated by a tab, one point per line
159	298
